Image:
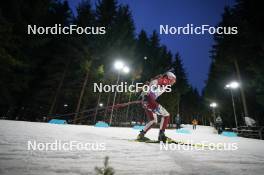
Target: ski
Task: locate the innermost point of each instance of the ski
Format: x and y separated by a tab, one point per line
169	141
172	141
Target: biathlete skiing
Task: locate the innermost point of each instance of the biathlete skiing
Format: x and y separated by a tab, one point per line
153	109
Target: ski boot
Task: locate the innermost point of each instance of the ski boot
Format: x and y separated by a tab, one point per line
162	137
141	136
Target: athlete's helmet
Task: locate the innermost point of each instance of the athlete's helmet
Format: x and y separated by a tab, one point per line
171	75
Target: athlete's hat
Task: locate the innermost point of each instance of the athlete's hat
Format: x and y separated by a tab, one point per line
171	75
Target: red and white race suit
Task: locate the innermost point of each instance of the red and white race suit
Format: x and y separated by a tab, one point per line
152	108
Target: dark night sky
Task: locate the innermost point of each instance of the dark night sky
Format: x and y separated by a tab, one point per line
194	49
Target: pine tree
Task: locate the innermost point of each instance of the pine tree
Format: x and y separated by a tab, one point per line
236	56
182	85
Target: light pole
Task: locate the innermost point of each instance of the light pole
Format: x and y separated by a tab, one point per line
119	66
129	98
214	105
233	85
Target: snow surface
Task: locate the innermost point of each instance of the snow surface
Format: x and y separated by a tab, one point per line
126	157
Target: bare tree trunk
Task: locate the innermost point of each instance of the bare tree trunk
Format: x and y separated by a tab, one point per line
117	115
59	88
241	89
96	110
81	96
107	104
84	105
129	98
